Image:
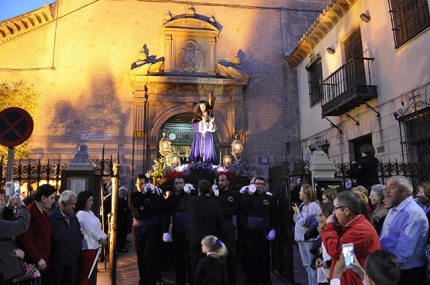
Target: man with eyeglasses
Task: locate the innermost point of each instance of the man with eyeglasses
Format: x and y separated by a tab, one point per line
179	220
146	207
259	229
355	229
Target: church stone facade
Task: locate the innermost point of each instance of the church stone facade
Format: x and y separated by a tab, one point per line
115	74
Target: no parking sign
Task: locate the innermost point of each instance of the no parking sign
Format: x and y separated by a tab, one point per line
16	126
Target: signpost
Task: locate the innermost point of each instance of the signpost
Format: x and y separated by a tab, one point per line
16	126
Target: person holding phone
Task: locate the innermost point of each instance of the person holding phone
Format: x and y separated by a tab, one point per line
309	209
348	254
356	229
381	267
9	229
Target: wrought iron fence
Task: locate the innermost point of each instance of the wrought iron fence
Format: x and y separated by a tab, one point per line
32	173
280	186
416	172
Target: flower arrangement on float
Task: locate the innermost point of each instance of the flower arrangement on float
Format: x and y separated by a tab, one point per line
163	168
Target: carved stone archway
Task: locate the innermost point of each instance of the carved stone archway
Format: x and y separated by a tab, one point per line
172	84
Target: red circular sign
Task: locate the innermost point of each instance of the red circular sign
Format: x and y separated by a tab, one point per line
16	126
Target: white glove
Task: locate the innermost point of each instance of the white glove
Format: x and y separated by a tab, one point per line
271	235
215	190
188	188
148	188
158	191
243	189
252	188
268	193
166	237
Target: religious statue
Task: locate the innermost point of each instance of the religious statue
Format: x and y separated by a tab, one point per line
203	123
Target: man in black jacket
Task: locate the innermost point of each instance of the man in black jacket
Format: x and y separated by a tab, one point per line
179	219
205	219
366	171
259	229
66	242
146	208
230	206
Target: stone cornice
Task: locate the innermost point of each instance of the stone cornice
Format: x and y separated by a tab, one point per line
330	16
139	80
14	27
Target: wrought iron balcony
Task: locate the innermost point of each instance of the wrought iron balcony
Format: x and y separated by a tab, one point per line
348	87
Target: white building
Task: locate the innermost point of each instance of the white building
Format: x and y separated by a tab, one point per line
363	72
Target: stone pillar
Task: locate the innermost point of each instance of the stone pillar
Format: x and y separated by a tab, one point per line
211	56
168	53
321	166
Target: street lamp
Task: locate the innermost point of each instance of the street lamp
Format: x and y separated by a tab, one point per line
175	159
226	160
164	145
236	146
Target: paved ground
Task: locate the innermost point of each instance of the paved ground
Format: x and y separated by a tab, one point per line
127	273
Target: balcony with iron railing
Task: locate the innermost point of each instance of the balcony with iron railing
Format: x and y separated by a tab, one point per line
348	87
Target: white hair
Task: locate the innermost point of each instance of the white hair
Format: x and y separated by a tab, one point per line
65	196
123	189
404	183
379	191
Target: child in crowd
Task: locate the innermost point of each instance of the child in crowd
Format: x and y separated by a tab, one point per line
322	263
211	268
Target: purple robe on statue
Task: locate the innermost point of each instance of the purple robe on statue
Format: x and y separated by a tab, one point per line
203	148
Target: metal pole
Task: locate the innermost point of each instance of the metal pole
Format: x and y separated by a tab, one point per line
112	240
133	153
145	131
10	159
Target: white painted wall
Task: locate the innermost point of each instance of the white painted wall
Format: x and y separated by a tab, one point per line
395	72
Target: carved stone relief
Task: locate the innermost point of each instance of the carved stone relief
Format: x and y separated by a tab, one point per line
190	57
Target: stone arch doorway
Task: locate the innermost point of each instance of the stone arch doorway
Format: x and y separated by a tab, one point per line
178	129
171	81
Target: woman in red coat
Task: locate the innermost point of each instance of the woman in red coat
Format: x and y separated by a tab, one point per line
36	241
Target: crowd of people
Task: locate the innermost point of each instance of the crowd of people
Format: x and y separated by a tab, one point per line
397	226
209	230
385	227
49	243
204	226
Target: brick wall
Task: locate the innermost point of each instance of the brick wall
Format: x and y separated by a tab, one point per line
80	65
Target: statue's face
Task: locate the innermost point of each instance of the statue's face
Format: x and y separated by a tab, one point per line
203	107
